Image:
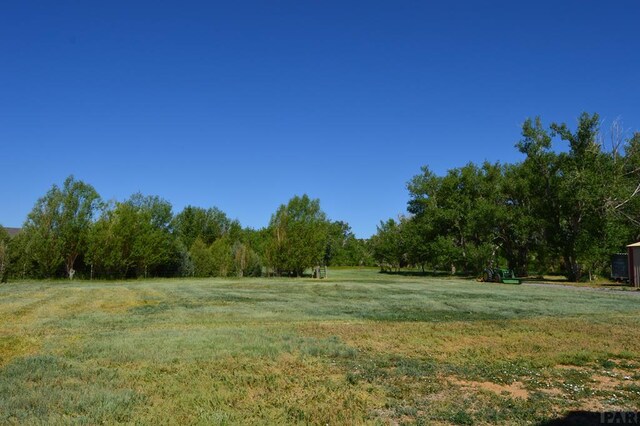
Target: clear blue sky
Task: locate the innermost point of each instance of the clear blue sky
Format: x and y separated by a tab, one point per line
242	105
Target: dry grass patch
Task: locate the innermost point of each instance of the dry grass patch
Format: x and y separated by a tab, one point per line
288	389
513	390
12	346
548	364
547	341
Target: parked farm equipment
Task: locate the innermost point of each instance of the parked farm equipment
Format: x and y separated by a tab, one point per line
500	275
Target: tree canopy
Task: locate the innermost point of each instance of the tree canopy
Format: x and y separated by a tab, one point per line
562	211
299	235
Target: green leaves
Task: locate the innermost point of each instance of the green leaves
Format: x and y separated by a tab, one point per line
4	254
58	226
457	218
298	236
207	224
567	210
389	247
133	237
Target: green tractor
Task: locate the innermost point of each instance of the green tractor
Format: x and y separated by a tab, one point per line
500	275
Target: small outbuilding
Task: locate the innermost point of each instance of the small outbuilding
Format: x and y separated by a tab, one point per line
634	264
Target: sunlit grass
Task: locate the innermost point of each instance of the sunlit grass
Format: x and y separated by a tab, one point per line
358	347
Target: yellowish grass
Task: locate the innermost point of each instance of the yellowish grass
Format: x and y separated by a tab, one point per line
354	349
547	340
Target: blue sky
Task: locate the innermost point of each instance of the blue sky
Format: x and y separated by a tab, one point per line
242	105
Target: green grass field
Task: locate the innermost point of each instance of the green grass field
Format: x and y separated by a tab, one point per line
358	347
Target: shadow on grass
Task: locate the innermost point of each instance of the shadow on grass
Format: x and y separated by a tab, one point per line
427	274
547	279
419	314
588	418
559	279
617	285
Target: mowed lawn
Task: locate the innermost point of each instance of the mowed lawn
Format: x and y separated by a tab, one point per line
357	348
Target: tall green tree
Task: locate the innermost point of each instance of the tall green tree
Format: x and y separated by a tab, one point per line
520	231
21	262
456	217
339	243
203	265
206	224
134	238
579	196
80	202
344	249
389	248
154	244
112	240
298	236
4	255
564	211
585	171
222	257
59	225
246	261
41	229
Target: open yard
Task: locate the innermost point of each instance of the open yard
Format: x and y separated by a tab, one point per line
358	347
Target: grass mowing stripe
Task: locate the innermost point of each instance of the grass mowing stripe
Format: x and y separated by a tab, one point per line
358	347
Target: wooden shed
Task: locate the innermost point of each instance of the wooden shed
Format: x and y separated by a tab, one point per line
634	264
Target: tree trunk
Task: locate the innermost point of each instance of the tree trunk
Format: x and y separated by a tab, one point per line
572	269
71	259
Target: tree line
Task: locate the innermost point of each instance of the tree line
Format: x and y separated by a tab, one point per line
565	212
72	232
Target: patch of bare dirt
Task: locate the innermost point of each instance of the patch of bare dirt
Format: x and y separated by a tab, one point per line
605	383
514	390
552	391
606	380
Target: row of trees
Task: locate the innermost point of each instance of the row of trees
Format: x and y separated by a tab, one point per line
554	211
564	212
72	231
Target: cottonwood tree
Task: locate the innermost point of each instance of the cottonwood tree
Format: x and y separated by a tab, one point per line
4	254
389	249
580	196
520	231
202	259
566	211
112	239
134	237
339	242
298	236
206	224
456	217
222	257
58	227
155	242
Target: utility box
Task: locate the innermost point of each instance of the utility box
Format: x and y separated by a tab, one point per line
620	267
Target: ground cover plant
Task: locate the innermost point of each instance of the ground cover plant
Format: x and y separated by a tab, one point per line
358	347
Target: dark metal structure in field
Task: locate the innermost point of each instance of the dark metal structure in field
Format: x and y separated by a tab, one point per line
620	267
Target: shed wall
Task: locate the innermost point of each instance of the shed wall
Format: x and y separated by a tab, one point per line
634	263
